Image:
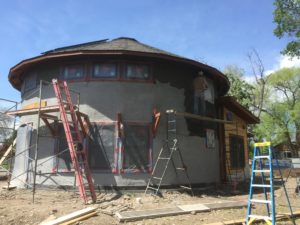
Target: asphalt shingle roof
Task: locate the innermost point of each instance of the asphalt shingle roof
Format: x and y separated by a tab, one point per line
118	44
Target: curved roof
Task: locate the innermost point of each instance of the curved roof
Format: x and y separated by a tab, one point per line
119	46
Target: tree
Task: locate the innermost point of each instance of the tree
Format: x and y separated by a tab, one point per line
287	17
280	115
239	88
260	91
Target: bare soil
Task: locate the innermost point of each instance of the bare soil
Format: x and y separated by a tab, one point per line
16	206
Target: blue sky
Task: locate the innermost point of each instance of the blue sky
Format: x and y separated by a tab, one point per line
216	32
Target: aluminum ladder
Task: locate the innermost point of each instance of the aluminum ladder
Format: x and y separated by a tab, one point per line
262	163
167	154
75	141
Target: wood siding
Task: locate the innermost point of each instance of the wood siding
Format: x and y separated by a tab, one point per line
239	128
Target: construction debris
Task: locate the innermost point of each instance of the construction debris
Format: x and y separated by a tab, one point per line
243	221
177	210
73	217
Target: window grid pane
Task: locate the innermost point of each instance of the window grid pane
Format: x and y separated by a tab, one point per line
73	72
105	70
137	71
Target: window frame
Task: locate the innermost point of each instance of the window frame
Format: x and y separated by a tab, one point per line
124	65
150	150
23	88
83	78
116	150
91	76
243	165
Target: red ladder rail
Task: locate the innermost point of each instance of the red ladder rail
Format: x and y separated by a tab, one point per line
78	155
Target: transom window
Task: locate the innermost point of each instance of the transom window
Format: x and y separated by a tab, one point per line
104	70
137	71
75	71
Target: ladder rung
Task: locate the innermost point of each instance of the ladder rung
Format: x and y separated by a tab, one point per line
185	187
261	185
260	217
261	201
158	178
172	121
262	157
172	130
260	171
180	168
152	188
164	158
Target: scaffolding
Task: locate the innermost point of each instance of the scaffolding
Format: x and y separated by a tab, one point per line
47	115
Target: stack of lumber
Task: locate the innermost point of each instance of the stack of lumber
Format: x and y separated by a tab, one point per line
73	217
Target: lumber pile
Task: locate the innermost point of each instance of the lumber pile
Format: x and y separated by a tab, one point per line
73	217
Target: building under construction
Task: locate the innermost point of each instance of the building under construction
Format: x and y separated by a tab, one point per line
120	90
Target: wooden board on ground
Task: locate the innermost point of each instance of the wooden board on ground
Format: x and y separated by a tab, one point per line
193	207
72	216
177	210
225	205
243	221
148	213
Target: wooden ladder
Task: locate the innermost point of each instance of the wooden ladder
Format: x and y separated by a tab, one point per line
75	141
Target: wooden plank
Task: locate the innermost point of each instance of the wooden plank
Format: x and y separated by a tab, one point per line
148	213
47	109
243	221
71	216
154	213
194	116
35	105
80	218
226	205
7	152
194	207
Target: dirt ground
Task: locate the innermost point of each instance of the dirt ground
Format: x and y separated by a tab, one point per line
16	206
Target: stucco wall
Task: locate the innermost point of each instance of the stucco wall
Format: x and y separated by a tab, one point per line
101	101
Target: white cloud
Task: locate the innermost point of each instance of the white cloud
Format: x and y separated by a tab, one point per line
284	62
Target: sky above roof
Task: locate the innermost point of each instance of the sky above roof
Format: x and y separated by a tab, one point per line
215	32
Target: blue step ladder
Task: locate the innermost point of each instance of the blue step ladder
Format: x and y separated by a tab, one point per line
262	163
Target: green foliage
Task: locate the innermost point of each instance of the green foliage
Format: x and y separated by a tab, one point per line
287	17
239	88
280	120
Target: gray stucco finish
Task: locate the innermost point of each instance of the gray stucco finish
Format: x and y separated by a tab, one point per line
101	101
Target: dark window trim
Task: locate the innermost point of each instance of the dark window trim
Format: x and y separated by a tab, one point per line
150	153
121	65
85	71
244	162
116	150
91	77
23	90
124	69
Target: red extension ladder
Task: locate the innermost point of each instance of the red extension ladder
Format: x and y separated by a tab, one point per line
75	141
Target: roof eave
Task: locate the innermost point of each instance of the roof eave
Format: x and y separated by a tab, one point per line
14	70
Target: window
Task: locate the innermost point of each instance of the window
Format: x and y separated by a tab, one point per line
237	152
137	147
73	72
137	71
105	70
30	82
101	153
